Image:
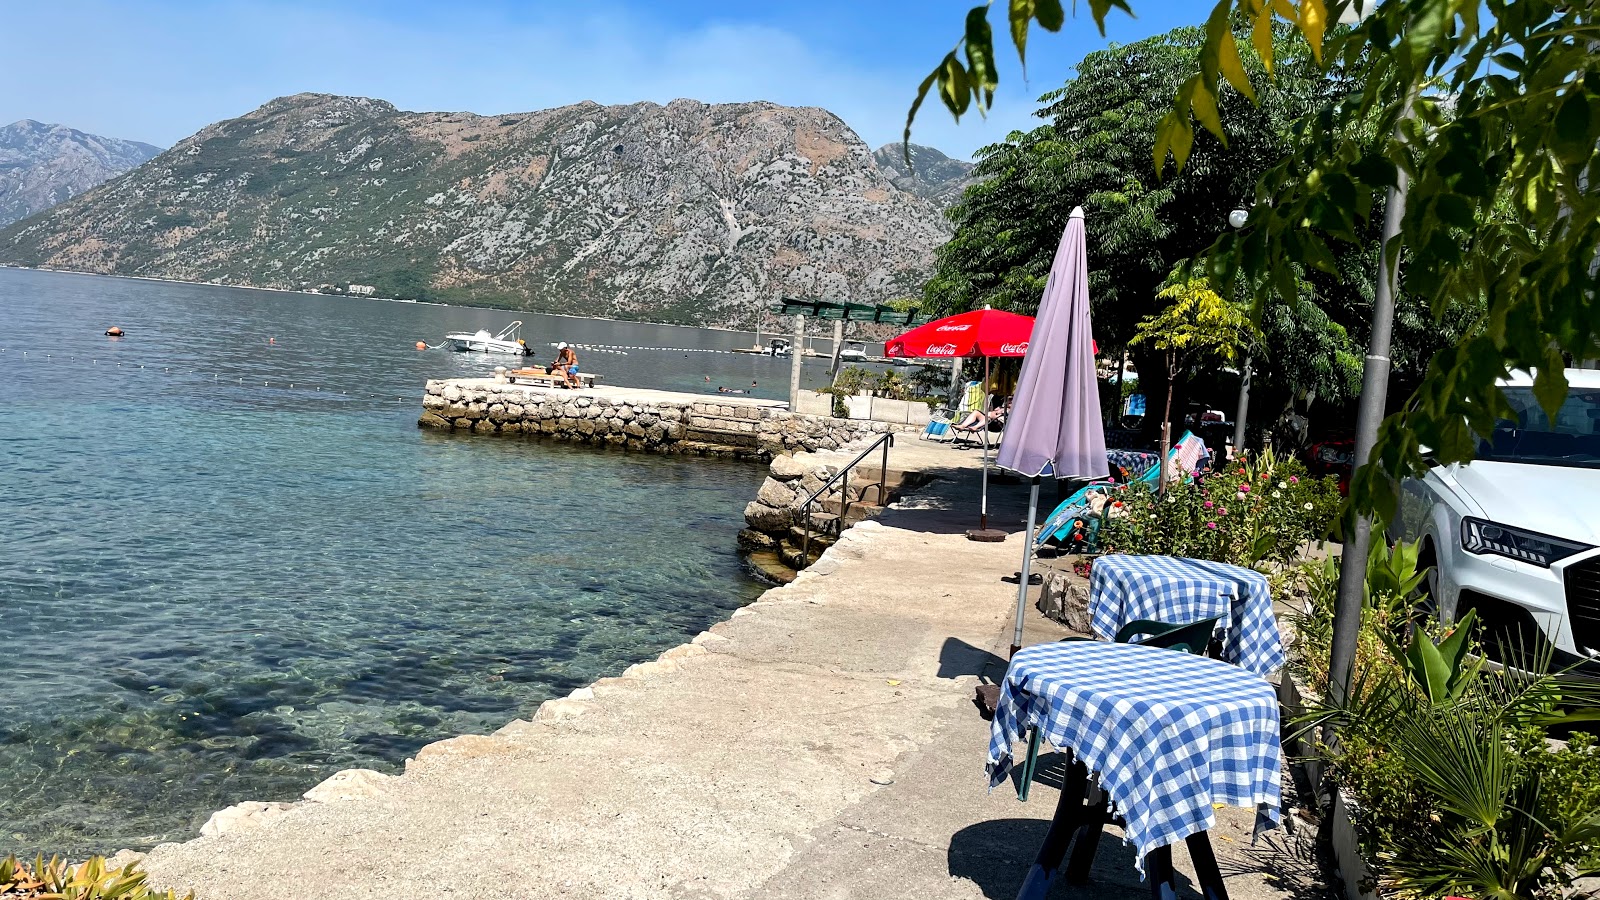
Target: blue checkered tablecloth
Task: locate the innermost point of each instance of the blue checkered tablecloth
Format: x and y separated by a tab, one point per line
1124	587
1134	462
1169	733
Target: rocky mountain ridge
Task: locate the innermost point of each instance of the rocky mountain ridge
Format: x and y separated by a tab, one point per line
42	165
932	176
686	212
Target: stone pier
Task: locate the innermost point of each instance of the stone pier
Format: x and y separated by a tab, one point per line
638	419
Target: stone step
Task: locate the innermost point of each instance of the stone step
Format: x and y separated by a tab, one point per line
819	541
769	564
859	511
791	556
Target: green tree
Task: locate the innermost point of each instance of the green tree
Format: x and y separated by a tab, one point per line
1196	326
1487	112
1093	152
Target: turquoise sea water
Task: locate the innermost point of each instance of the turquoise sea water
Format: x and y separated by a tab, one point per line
229	568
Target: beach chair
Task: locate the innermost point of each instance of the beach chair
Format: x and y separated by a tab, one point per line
939	429
1188	457
1190	637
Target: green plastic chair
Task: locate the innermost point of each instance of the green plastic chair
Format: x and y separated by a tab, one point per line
1192	637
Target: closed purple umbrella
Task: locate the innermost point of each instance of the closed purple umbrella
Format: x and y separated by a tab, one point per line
1054	428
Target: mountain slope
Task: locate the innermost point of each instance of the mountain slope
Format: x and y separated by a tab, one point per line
42	165
935	177
686	212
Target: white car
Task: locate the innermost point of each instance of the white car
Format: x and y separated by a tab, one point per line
1515	534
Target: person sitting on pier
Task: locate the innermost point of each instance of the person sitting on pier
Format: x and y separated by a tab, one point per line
566	365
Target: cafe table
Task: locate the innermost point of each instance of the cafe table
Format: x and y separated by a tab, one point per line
1125	587
1167	734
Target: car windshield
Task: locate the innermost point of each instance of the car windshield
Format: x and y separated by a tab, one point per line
1571	438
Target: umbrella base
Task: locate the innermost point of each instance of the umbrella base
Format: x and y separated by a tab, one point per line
1014	577
986	535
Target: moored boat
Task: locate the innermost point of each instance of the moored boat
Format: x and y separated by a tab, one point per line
508	341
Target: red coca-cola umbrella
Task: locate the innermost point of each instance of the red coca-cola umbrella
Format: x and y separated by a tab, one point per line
981	332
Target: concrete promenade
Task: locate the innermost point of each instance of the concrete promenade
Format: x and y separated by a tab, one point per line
820	744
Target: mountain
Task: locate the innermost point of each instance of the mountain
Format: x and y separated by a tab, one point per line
683	213
933	177
42	165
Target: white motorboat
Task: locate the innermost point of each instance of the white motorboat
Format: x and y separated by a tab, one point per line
509	341
853	352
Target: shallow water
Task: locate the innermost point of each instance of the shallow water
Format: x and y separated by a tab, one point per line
216	586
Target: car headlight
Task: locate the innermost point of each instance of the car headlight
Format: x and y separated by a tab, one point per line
1478	536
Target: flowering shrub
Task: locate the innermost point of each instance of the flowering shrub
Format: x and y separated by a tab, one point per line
1264	509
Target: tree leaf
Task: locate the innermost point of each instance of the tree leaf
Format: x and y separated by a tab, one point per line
1572	127
1313	22
980	55
1021	15
1204	105
1049	13
954	88
922	92
1232	67
1261	36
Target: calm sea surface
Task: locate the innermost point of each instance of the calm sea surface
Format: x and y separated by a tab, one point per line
229	568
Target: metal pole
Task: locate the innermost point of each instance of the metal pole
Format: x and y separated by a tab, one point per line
1027	560
838	339
983	504
795	353
1369	415
1243	411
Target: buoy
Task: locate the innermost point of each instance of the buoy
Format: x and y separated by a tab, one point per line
422	345
113	331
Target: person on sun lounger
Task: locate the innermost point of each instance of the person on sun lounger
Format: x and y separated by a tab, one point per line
992	420
566	365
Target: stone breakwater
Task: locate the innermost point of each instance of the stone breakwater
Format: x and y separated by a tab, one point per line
638	419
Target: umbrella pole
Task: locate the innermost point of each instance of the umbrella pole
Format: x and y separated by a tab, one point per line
983	532
983	504
1027	560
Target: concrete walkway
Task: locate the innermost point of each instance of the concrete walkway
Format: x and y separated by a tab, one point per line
821	744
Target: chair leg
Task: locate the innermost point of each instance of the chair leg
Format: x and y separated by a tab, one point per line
1084	848
1158	869
1069	815
1205	866
1029	765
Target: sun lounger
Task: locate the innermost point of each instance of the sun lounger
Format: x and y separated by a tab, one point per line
540	377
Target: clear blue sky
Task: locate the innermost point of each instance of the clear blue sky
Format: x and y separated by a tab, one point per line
158	70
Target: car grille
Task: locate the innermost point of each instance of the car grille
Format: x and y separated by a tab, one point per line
1583	603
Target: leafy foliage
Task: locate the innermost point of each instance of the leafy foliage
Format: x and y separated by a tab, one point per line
1488	112
1460	790
1266	510
91	880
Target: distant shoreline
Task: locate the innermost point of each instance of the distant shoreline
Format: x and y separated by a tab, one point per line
249	287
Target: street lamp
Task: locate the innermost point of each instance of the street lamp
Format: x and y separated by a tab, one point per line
1237	219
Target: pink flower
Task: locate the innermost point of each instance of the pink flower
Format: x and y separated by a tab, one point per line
1244	488
1209	504
1223	511
1294	479
1211	524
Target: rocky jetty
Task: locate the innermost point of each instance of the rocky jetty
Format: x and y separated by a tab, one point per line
656	421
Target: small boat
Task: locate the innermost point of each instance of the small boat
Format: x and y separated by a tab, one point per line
853	352
778	347
509	340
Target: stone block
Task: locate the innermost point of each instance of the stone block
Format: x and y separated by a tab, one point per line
429	420
484	426
764	518
752	541
452	393
787	468
776	493
350	784
247	816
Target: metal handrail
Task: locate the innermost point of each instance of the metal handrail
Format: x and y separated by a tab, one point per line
885	441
